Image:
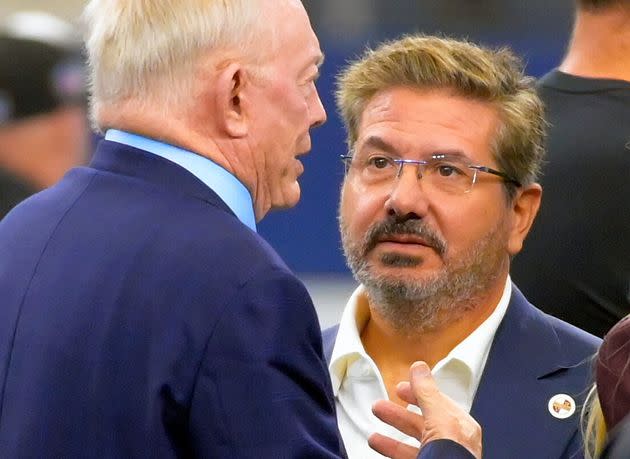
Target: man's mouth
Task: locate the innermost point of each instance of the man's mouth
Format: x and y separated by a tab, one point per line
404	239
299	167
406	236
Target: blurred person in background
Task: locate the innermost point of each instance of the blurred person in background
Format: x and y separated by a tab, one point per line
618	442
576	263
606	414
446	140
43	124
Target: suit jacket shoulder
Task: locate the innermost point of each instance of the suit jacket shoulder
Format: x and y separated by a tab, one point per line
132	289
535	360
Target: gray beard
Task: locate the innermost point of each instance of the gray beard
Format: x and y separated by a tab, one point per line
414	306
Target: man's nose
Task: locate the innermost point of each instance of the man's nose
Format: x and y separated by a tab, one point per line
407	196
318	112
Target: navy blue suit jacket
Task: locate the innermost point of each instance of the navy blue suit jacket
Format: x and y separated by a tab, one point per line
533	357
140	318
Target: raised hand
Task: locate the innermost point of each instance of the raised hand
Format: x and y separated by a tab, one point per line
441	418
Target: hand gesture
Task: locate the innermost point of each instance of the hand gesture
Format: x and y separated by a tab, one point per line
441	418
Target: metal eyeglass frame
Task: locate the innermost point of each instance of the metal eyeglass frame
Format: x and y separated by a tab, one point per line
347	159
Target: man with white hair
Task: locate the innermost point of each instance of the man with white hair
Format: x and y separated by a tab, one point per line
142	315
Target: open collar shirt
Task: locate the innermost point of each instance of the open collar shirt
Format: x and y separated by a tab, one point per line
357	382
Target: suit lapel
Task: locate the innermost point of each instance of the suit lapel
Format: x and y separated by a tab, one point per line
526	367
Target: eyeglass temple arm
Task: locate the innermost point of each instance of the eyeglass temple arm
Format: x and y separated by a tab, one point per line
503	175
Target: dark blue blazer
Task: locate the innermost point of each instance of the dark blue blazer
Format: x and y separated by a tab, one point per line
444	449
140	318
533	357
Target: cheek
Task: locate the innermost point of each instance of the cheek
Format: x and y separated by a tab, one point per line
290	102
290	128
360	207
463	226
300	117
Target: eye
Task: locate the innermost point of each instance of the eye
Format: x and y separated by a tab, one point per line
448	169
308	88
379	162
310	83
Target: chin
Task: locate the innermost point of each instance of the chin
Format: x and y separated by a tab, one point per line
293	201
403	276
290	197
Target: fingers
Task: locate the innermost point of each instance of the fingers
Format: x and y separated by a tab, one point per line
391	448
424	389
400	418
441	418
403	390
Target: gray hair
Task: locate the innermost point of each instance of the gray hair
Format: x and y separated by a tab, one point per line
146	49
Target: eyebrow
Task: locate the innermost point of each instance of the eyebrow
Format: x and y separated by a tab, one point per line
453	154
381	144
317	61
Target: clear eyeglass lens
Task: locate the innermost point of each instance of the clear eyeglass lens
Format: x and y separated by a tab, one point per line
449	176
446	175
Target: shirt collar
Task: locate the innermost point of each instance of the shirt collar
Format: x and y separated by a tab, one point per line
472	351
348	346
219	180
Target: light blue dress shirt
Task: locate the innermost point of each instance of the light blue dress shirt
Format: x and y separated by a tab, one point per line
228	187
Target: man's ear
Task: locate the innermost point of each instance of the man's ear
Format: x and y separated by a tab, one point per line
524	208
230	84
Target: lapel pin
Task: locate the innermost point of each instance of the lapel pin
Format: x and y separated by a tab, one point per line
561	406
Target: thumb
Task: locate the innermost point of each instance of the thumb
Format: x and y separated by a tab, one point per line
424	388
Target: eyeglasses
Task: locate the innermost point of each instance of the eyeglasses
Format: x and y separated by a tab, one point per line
441	172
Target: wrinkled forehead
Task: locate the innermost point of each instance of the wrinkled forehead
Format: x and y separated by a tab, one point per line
408	120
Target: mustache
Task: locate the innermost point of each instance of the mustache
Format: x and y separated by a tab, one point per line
391	227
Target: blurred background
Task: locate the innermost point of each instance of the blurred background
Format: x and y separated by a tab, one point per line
307	237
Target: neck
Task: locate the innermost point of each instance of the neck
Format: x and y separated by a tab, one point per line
394	352
169	128
177	129
600	46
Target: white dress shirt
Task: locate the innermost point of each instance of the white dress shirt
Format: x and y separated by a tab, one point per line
357	383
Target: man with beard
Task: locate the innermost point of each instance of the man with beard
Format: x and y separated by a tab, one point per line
446	141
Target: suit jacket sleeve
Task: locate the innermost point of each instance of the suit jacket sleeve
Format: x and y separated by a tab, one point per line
263	388
443	449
